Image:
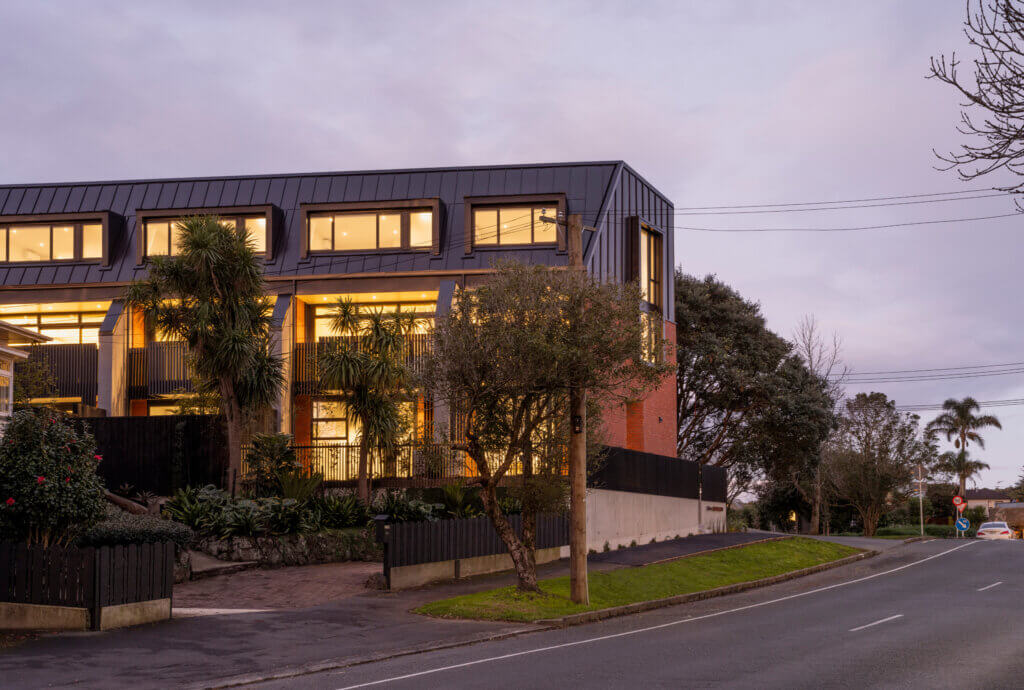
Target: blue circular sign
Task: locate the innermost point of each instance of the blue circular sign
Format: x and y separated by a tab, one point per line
963	524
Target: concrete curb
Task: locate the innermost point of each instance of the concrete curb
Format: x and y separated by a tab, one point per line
640	606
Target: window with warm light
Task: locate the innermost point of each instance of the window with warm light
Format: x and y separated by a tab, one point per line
649	323
353	231
69	323
651	262
495	226
163	235
6	386
423	309
66	241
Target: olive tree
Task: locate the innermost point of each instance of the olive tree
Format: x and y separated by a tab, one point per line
502	359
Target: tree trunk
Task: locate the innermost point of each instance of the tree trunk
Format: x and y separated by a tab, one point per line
963	485
364	480
523	558
814	527
579	589
870	520
233	417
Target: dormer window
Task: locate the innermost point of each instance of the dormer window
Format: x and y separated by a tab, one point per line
514	221
53	238
391	226
160	231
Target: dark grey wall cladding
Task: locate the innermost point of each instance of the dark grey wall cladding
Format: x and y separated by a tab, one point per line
605	193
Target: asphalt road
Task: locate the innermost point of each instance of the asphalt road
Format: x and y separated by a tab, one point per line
934	614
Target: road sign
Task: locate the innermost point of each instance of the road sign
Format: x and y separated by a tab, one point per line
958	500
963	524
961	507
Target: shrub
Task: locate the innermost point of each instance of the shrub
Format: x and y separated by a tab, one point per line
339	511
461	501
400	508
198	508
49	489
121	527
271	456
299	485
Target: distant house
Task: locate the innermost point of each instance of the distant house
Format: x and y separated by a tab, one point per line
985	498
9	333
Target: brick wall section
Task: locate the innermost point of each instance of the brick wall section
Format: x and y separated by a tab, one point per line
635	425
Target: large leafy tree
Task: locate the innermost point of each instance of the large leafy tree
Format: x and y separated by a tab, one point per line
211	295
502	359
741	391
871	457
366	365
960	423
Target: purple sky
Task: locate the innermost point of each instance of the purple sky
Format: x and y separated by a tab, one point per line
715	103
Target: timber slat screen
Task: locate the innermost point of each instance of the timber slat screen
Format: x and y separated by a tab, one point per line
307	359
75	368
160	454
412	543
91	577
647	473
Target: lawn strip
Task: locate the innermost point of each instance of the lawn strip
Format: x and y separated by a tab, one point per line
625	586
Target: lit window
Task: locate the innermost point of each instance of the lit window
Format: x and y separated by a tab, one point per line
30	243
369	231
650	266
256	230
157	238
63	242
649	333
514	225
163	236
92	241
421	229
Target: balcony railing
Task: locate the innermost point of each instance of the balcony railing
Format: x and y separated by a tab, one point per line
74	368
307	359
424	464
158	368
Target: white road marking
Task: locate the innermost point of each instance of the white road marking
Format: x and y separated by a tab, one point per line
884	620
652	627
994	584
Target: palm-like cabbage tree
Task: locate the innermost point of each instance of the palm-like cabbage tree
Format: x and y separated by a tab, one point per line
959	424
211	295
367	367
960	465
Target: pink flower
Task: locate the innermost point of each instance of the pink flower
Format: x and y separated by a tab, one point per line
10	501
67	480
40	480
98	457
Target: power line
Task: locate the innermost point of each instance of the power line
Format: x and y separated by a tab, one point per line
839	201
680	212
852	228
915	371
937	377
1010	402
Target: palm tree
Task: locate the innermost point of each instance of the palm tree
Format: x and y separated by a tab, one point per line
960	424
961	466
212	296
367	366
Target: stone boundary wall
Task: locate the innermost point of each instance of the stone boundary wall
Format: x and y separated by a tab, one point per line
296	549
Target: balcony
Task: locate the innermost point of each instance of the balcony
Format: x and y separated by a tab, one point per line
74	368
159	368
307	360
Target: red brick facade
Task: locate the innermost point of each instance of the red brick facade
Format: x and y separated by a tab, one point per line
647	425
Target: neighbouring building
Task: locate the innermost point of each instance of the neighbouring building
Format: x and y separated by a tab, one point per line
396	240
11	335
985	498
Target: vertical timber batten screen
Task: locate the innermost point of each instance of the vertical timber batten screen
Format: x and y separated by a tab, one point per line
646	473
413	543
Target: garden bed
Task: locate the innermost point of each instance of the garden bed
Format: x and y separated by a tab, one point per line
331	546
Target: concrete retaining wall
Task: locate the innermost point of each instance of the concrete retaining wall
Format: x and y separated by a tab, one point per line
621	517
39	617
406	576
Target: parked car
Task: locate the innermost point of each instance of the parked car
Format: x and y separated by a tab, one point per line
995	530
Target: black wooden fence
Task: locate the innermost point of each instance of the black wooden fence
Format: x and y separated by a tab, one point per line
90	578
160	454
647	473
412	543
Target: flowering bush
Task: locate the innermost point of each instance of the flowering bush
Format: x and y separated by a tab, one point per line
49	489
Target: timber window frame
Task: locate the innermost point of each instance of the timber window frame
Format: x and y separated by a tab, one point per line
646	243
82	227
268	212
476	204
404	208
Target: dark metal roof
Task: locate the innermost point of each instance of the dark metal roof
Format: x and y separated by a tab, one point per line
587	187
986	495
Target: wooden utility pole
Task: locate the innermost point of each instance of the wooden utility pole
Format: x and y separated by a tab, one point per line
578	587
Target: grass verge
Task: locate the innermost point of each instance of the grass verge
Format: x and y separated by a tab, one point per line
657	581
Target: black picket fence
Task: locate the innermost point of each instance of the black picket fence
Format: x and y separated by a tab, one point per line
413	543
90	578
160	454
647	473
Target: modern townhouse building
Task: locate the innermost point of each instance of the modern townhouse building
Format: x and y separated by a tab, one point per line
402	240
